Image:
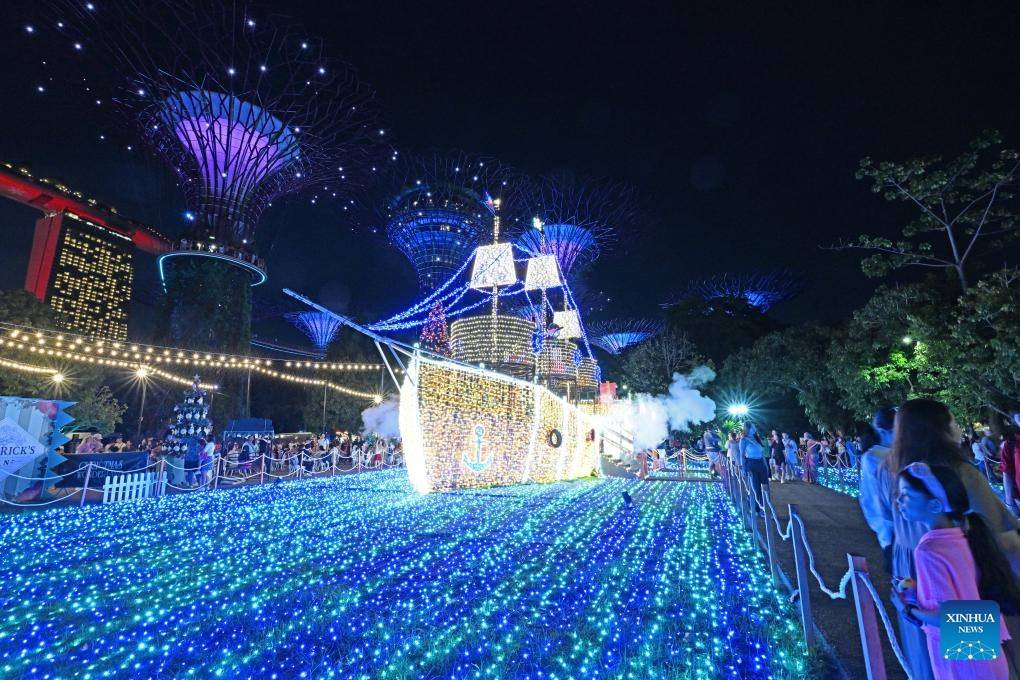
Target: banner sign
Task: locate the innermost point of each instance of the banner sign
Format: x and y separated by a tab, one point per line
29	435
103	465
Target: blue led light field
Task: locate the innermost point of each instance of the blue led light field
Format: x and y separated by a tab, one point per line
359	577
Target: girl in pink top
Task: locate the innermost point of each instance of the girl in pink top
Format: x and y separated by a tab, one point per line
946	559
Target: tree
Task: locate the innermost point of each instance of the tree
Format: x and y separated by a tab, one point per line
96	409
342	410
720	326
982	346
435	335
882	357
649	367
966	205
20	308
790	362
190	422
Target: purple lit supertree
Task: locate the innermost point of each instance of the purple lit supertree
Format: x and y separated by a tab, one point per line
244	110
320	328
441	210
573	220
758	290
619	334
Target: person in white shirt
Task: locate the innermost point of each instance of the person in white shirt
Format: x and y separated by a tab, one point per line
875	503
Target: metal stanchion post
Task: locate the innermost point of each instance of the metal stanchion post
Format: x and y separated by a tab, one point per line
803	585
160	477
770	538
85	488
262	471
753	514
867	622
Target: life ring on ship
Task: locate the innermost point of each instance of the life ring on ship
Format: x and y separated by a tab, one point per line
555	438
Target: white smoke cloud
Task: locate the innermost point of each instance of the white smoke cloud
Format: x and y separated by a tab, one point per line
382	419
651	419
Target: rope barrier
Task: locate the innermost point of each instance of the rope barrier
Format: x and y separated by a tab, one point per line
833	594
845	580
886	622
210	474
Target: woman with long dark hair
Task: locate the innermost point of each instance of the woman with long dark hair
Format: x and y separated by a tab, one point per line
926	432
955	542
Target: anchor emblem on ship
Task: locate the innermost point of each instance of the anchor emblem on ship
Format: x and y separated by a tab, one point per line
478	464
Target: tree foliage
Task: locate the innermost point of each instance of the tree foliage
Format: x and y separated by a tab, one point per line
96	408
20	308
720	326
790	363
649	367
965	205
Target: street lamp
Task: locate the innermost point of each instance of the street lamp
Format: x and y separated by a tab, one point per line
142	374
58	380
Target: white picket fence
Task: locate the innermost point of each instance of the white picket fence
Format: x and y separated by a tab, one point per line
132	487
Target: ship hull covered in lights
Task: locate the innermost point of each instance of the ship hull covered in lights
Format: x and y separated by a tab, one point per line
465	428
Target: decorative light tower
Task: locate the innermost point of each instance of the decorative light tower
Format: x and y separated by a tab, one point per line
321	328
244	111
440	212
578	218
759	290
616	336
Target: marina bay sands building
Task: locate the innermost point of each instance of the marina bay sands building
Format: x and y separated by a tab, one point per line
82	258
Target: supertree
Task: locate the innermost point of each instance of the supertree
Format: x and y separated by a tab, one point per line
321	328
244	110
572	219
619	334
441	210
759	290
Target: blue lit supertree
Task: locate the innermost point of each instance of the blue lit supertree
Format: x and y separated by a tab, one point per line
619	334
440	210
574	220
321	328
244	110
758	290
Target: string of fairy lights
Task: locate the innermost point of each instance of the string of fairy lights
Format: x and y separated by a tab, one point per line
357	577
156	360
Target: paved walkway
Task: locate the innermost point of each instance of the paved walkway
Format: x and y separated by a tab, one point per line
834	526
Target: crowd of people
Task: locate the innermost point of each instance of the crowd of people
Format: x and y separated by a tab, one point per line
946	534
780	454
926	490
241	457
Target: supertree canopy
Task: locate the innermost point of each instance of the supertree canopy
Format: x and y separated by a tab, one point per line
242	109
573	220
442	211
758	290
321	328
617	335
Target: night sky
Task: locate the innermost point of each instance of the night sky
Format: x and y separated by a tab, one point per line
739	124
